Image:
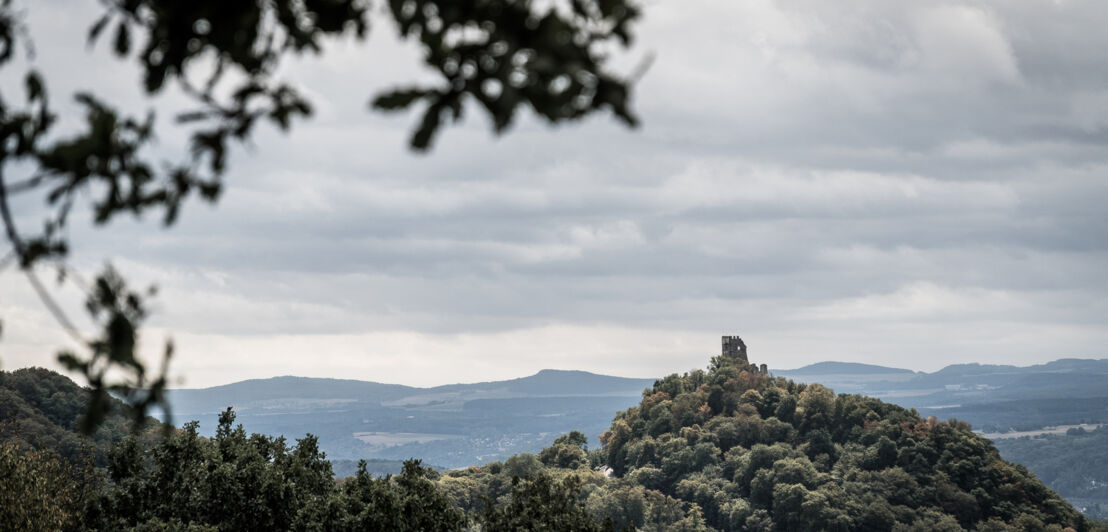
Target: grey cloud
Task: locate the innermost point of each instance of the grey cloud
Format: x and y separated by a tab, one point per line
841	180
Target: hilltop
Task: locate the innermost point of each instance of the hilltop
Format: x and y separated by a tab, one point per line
731	448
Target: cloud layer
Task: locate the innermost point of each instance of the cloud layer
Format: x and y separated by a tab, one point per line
909	184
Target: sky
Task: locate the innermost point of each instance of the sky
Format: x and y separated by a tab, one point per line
910	184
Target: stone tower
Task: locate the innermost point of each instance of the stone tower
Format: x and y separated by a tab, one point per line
734	347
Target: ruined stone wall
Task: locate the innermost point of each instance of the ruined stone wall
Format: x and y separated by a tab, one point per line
734	347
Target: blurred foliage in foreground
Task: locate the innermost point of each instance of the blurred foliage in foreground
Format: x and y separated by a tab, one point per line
497	58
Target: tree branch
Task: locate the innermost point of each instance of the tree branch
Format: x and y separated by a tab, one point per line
18	249
25	185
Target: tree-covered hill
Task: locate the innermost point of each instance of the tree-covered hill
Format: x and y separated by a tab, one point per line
732	449
756	452
42	409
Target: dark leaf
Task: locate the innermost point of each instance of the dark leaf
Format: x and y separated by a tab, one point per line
98	27
122	39
398	99
35	88
432	119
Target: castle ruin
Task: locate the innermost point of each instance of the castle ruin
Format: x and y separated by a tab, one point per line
735	349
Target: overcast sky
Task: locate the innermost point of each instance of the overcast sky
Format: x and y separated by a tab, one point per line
911	184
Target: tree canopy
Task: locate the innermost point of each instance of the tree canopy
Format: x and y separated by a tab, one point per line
755	452
45	411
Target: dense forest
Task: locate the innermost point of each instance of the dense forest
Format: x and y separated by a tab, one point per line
42	410
723	449
763	453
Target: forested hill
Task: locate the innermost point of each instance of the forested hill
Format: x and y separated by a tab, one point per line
42	409
766	453
732	449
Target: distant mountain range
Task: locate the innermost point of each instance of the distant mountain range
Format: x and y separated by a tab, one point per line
453	425
994	398
955	371
844	368
303	392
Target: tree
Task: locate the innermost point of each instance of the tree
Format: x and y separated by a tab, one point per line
495	55
407	502
542	503
38	492
236	481
568	451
